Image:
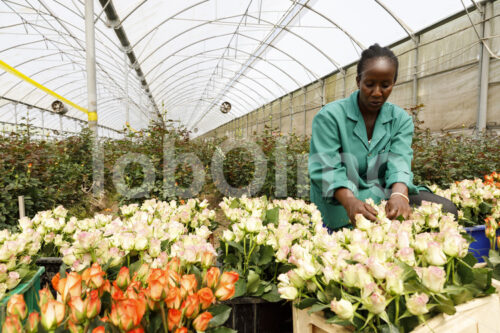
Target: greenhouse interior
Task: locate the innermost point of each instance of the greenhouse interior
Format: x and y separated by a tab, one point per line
252	166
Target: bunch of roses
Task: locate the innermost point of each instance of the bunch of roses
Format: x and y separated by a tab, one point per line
474	199
16	252
260	237
387	270
167	298
492	179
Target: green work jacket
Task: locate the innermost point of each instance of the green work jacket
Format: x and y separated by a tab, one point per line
341	156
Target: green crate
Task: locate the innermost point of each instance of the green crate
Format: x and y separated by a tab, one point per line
29	290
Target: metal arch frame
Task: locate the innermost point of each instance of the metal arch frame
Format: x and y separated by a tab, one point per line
237	33
403	25
104	70
219	36
205	61
253	68
178	94
231	48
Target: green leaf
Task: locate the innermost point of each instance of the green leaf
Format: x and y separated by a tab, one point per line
273	295
253	282
237	246
337	321
240	287
388	328
482	277
232	260
220	313
318	307
235	203
272	216
266	255
305	303
154	323
445	304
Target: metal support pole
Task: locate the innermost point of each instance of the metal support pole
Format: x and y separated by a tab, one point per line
323	93
125	99
484	65
91	66
343	86
291	115
415	72
15	114
281	99
22	210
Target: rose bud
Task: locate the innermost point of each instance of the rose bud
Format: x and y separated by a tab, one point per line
225	292
229	278
55	281
201	322
52	314
142	273
343	309
94	276
44	295
75	328
181	330
93	304
123	278
12	324
32	322
17	307
417	304
174	318
78	309
191	306
99	329
71	286
206	297
207	259
211	278
174	264
188	285
173	299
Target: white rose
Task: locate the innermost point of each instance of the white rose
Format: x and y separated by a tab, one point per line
362	223
435	255
377	269
289	293
434	278
375	303
343	309
417	304
227	236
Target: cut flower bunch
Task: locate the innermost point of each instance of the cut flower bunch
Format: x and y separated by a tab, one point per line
159	300
386	274
258	241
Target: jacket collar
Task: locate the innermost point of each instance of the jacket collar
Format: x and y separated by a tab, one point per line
379	131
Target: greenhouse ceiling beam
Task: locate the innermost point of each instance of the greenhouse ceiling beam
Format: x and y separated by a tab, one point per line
403	25
307	69
187	76
113	18
231	60
194	83
269	39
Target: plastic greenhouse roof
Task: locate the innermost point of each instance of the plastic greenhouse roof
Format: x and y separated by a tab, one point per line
194	54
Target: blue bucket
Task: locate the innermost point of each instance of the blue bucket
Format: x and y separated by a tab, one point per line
481	246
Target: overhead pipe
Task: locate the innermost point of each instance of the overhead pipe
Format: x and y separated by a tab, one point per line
114	21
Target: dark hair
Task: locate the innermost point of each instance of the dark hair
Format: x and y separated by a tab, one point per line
376	51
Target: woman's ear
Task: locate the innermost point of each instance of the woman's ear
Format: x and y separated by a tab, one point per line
358	78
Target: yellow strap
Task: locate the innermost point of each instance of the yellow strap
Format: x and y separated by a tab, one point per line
92	115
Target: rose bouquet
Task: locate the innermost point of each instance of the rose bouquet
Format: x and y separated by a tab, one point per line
259	240
161	300
474	199
16	253
385	274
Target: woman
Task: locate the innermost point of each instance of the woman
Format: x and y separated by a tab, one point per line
361	148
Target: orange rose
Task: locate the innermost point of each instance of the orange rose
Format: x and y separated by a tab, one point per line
17	307
181	330
70	286
173	278
93	304
188	285
191	306
44	296
174	264
207	297
12	324
211	278
55	281
52	314
123	278
173	299
94	276
229	278
156	290
207	259
32	323
99	329
127	314
225	292
201	322
78	309
137	330
174	318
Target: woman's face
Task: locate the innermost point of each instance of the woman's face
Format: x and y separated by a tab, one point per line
375	84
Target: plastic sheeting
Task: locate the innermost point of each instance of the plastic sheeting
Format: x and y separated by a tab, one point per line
195	54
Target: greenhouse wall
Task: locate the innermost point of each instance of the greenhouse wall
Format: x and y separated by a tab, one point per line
438	69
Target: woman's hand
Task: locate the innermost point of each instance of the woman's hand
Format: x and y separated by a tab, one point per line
397	206
355	206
